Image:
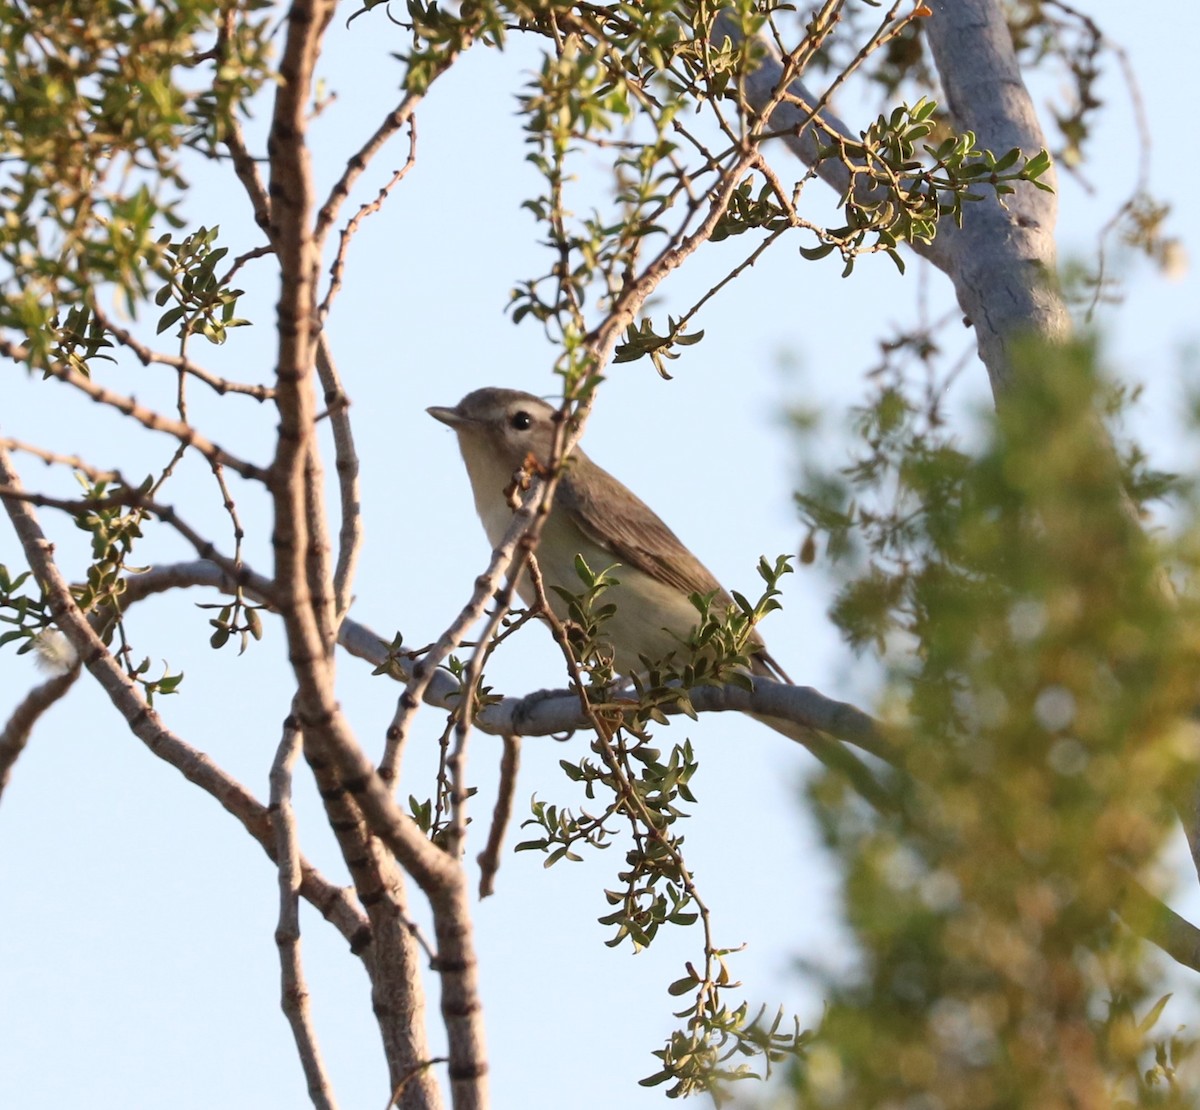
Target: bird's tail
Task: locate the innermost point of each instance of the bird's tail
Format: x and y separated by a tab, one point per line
832	752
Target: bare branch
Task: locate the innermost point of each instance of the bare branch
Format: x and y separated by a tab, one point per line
346	464
148	356
246	169
287	933
303	581
393	122
19	725
413	1073
1150	918
424	672
148	418
144	722
51	458
489	858
242	259
369	208
359	161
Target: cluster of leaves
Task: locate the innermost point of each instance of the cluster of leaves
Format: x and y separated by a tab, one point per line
895	196
235	618
898	198
697	1059
717	651
93	115
440	34
1144	228
648	793
899	66
639	787
615	85
1051	37
641	341
114	525
1043	678
80	339
1045	30
1048	35
581	97
201	302
242	58
586	614
109	515
27	612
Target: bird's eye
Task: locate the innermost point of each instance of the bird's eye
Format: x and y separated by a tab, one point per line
520	420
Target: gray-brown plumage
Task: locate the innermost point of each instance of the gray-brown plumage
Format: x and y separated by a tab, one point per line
593	515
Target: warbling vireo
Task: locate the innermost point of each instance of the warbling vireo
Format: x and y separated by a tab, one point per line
595	516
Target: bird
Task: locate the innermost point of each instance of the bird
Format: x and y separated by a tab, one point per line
593	515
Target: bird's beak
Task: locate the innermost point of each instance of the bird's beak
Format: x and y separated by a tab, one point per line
447	416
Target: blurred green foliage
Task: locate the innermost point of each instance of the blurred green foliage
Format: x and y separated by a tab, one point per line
1042	672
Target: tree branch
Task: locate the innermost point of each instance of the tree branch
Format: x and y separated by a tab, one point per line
19	725
555	712
144	722
489	858
185	434
346	464
1002	261
551	712
304	582
148	356
294	991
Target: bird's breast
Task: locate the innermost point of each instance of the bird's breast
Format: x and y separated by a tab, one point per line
651	617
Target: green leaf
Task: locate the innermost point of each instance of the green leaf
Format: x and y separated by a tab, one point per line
813	254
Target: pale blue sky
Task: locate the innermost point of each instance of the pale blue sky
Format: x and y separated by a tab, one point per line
137	961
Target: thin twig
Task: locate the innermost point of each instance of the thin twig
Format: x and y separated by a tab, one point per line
412	1074
294	991
350	535
50	458
631	804
391	123
1141	126
147	356
131	497
506	789
334	903
19	725
246	169
337	267
148	418
242	259
456	762
487	585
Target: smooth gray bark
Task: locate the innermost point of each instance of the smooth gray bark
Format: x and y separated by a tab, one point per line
1002	260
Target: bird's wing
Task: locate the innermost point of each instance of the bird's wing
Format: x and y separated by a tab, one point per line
638	538
762	662
635	536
